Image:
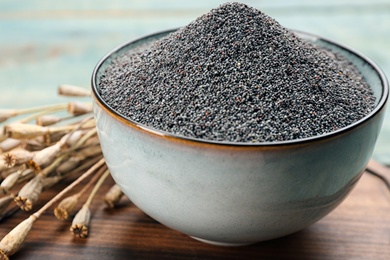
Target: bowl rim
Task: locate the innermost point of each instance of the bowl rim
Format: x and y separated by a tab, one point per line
381	104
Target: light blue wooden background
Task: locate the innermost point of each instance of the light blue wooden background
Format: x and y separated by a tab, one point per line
44	43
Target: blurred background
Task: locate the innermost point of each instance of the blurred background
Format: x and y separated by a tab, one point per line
45	43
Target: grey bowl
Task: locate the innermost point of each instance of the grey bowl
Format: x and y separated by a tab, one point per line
237	193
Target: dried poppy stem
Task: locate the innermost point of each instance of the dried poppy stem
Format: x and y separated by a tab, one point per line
50	181
43	112
8	113
66	206
97	187
73	91
93	179
80	223
70	187
5	114
54	164
11	243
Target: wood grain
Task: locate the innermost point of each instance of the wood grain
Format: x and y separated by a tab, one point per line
358	229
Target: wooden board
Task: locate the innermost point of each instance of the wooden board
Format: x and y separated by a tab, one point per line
358	229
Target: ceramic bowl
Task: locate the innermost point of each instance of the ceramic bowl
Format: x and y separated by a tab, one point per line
237	193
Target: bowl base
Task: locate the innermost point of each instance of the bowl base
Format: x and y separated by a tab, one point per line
217	243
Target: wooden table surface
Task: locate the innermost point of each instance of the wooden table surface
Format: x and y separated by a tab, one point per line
358	229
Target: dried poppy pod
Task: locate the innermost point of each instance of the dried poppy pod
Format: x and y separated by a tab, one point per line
92	141
80	222
73	91
7	171
34	144
90	123
24	131
74	137
68	165
9	144
9	182
78	108
44	157
50	181
12	242
47	120
88	151
17	157
113	196
56	133
66	206
14	239
29	193
55	136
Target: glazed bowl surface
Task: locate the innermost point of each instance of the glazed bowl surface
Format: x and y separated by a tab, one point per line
229	193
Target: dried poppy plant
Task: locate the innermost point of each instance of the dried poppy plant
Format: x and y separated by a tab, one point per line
39	151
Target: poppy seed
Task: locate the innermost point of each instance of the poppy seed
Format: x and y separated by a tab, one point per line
235	74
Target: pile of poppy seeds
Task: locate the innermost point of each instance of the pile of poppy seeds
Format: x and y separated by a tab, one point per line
236	75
